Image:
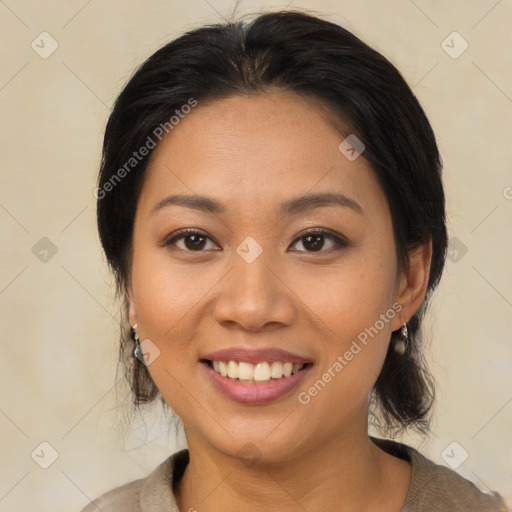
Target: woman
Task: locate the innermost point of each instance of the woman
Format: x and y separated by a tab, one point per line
270	201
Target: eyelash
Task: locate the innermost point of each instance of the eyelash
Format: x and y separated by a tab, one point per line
338	240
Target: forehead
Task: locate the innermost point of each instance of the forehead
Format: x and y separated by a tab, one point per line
254	150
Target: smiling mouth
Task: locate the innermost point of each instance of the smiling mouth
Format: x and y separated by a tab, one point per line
260	373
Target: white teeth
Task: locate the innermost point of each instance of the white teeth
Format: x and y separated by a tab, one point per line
245	371
256	373
262	372
223	368
233	370
276	370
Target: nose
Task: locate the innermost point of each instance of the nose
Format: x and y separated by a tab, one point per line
254	296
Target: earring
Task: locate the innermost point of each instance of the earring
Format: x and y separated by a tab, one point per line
401	344
138	349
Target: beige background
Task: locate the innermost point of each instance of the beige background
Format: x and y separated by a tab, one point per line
58	318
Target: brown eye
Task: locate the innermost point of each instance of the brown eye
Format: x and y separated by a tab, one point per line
315	240
194	242
190	241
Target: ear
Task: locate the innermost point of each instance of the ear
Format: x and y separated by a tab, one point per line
130	306
413	285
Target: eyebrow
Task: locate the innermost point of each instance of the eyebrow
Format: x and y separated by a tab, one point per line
291	207
311	201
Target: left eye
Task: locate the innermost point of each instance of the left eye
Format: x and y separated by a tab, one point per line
314	241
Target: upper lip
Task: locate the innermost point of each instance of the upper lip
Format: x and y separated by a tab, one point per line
255	356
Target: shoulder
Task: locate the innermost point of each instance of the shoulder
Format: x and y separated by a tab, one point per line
437	488
125	497
152	493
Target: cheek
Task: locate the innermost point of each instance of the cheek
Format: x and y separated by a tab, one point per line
350	296
165	291
352	308
165	298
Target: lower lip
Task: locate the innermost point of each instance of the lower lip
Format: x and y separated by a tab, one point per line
255	394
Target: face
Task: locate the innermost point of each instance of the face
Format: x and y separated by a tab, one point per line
256	273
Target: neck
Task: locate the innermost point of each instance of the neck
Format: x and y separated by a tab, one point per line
348	473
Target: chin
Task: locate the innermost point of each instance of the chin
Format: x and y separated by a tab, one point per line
256	444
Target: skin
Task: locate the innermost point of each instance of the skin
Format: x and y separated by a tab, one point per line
251	153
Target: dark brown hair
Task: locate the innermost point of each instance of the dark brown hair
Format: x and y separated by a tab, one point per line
297	52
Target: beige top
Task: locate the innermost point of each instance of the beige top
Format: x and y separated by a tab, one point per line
433	488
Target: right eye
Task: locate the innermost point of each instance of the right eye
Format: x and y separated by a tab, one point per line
189	240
